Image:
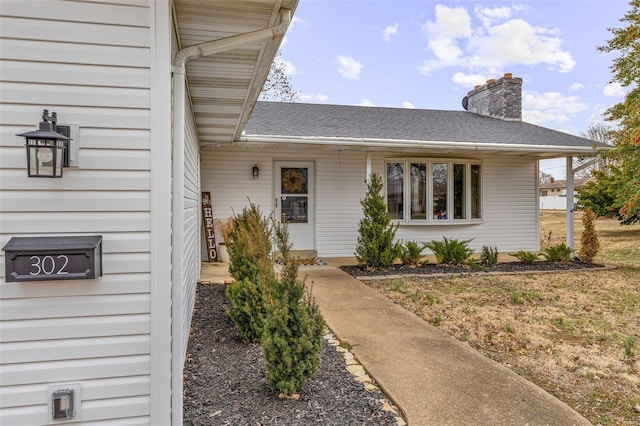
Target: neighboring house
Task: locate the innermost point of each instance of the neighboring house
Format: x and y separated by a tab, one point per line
558	187
139	107
553	194
461	174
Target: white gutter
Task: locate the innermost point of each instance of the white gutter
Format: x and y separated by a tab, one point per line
177	170
409	143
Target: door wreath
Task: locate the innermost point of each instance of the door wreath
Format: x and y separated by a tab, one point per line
293	181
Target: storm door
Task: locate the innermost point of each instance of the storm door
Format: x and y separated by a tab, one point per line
295	203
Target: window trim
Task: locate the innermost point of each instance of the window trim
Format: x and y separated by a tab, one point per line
450	162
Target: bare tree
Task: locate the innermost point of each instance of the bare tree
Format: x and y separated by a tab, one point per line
545	177
598	132
278	86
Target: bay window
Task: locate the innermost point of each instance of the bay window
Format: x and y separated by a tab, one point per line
434	191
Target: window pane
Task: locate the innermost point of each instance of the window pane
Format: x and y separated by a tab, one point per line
294	180
440	171
459	193
395	192
294	209
476	204
418	190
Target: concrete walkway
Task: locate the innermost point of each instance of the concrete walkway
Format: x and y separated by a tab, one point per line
433	378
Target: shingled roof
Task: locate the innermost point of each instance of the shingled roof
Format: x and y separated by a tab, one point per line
335	123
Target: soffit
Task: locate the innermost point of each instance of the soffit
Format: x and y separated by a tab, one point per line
223	88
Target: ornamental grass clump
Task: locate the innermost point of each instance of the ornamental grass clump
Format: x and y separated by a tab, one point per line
248	241
558	253
590	245
376	247
292	333
412	254
526	257
451	251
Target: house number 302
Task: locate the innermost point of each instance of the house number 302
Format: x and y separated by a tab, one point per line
49	265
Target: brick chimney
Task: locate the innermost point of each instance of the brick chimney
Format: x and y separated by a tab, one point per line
501	98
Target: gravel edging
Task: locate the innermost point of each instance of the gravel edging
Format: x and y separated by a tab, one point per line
224	379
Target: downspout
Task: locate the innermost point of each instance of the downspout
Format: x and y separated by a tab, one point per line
177	170
570	202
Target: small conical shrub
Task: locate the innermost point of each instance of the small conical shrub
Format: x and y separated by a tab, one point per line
249	244
248	241
376	247
589	240
292	334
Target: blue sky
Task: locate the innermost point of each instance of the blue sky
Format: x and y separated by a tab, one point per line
429	54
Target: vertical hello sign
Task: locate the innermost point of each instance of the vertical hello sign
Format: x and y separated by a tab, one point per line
209	232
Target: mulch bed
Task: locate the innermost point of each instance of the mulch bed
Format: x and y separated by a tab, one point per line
224	380
503	267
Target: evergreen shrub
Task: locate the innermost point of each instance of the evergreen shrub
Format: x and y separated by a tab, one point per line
376	247
292	333
248	243
489	256
590	245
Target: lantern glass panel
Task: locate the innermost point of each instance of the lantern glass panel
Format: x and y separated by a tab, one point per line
45	157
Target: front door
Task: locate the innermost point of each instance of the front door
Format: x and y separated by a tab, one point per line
294	185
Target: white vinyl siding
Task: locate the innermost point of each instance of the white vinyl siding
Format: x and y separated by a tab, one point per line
92	332
191	231
340	183
509	214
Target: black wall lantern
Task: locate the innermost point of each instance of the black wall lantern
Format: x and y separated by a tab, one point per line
45	148
256	171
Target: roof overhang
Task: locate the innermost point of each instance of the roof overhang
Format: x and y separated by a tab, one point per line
411	146
223	88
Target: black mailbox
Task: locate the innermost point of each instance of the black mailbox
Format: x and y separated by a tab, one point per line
53	258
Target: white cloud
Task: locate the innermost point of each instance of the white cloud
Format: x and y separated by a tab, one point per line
576	86
450	25
549	107
613	89
491	16
313	97
495	42
517	42
295	21
390	31
349	67
538	117
469	80
366	103
408	105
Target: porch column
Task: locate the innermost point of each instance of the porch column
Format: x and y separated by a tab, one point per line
570	202
367	166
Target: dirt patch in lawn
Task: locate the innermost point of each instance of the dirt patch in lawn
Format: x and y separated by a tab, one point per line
575	334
